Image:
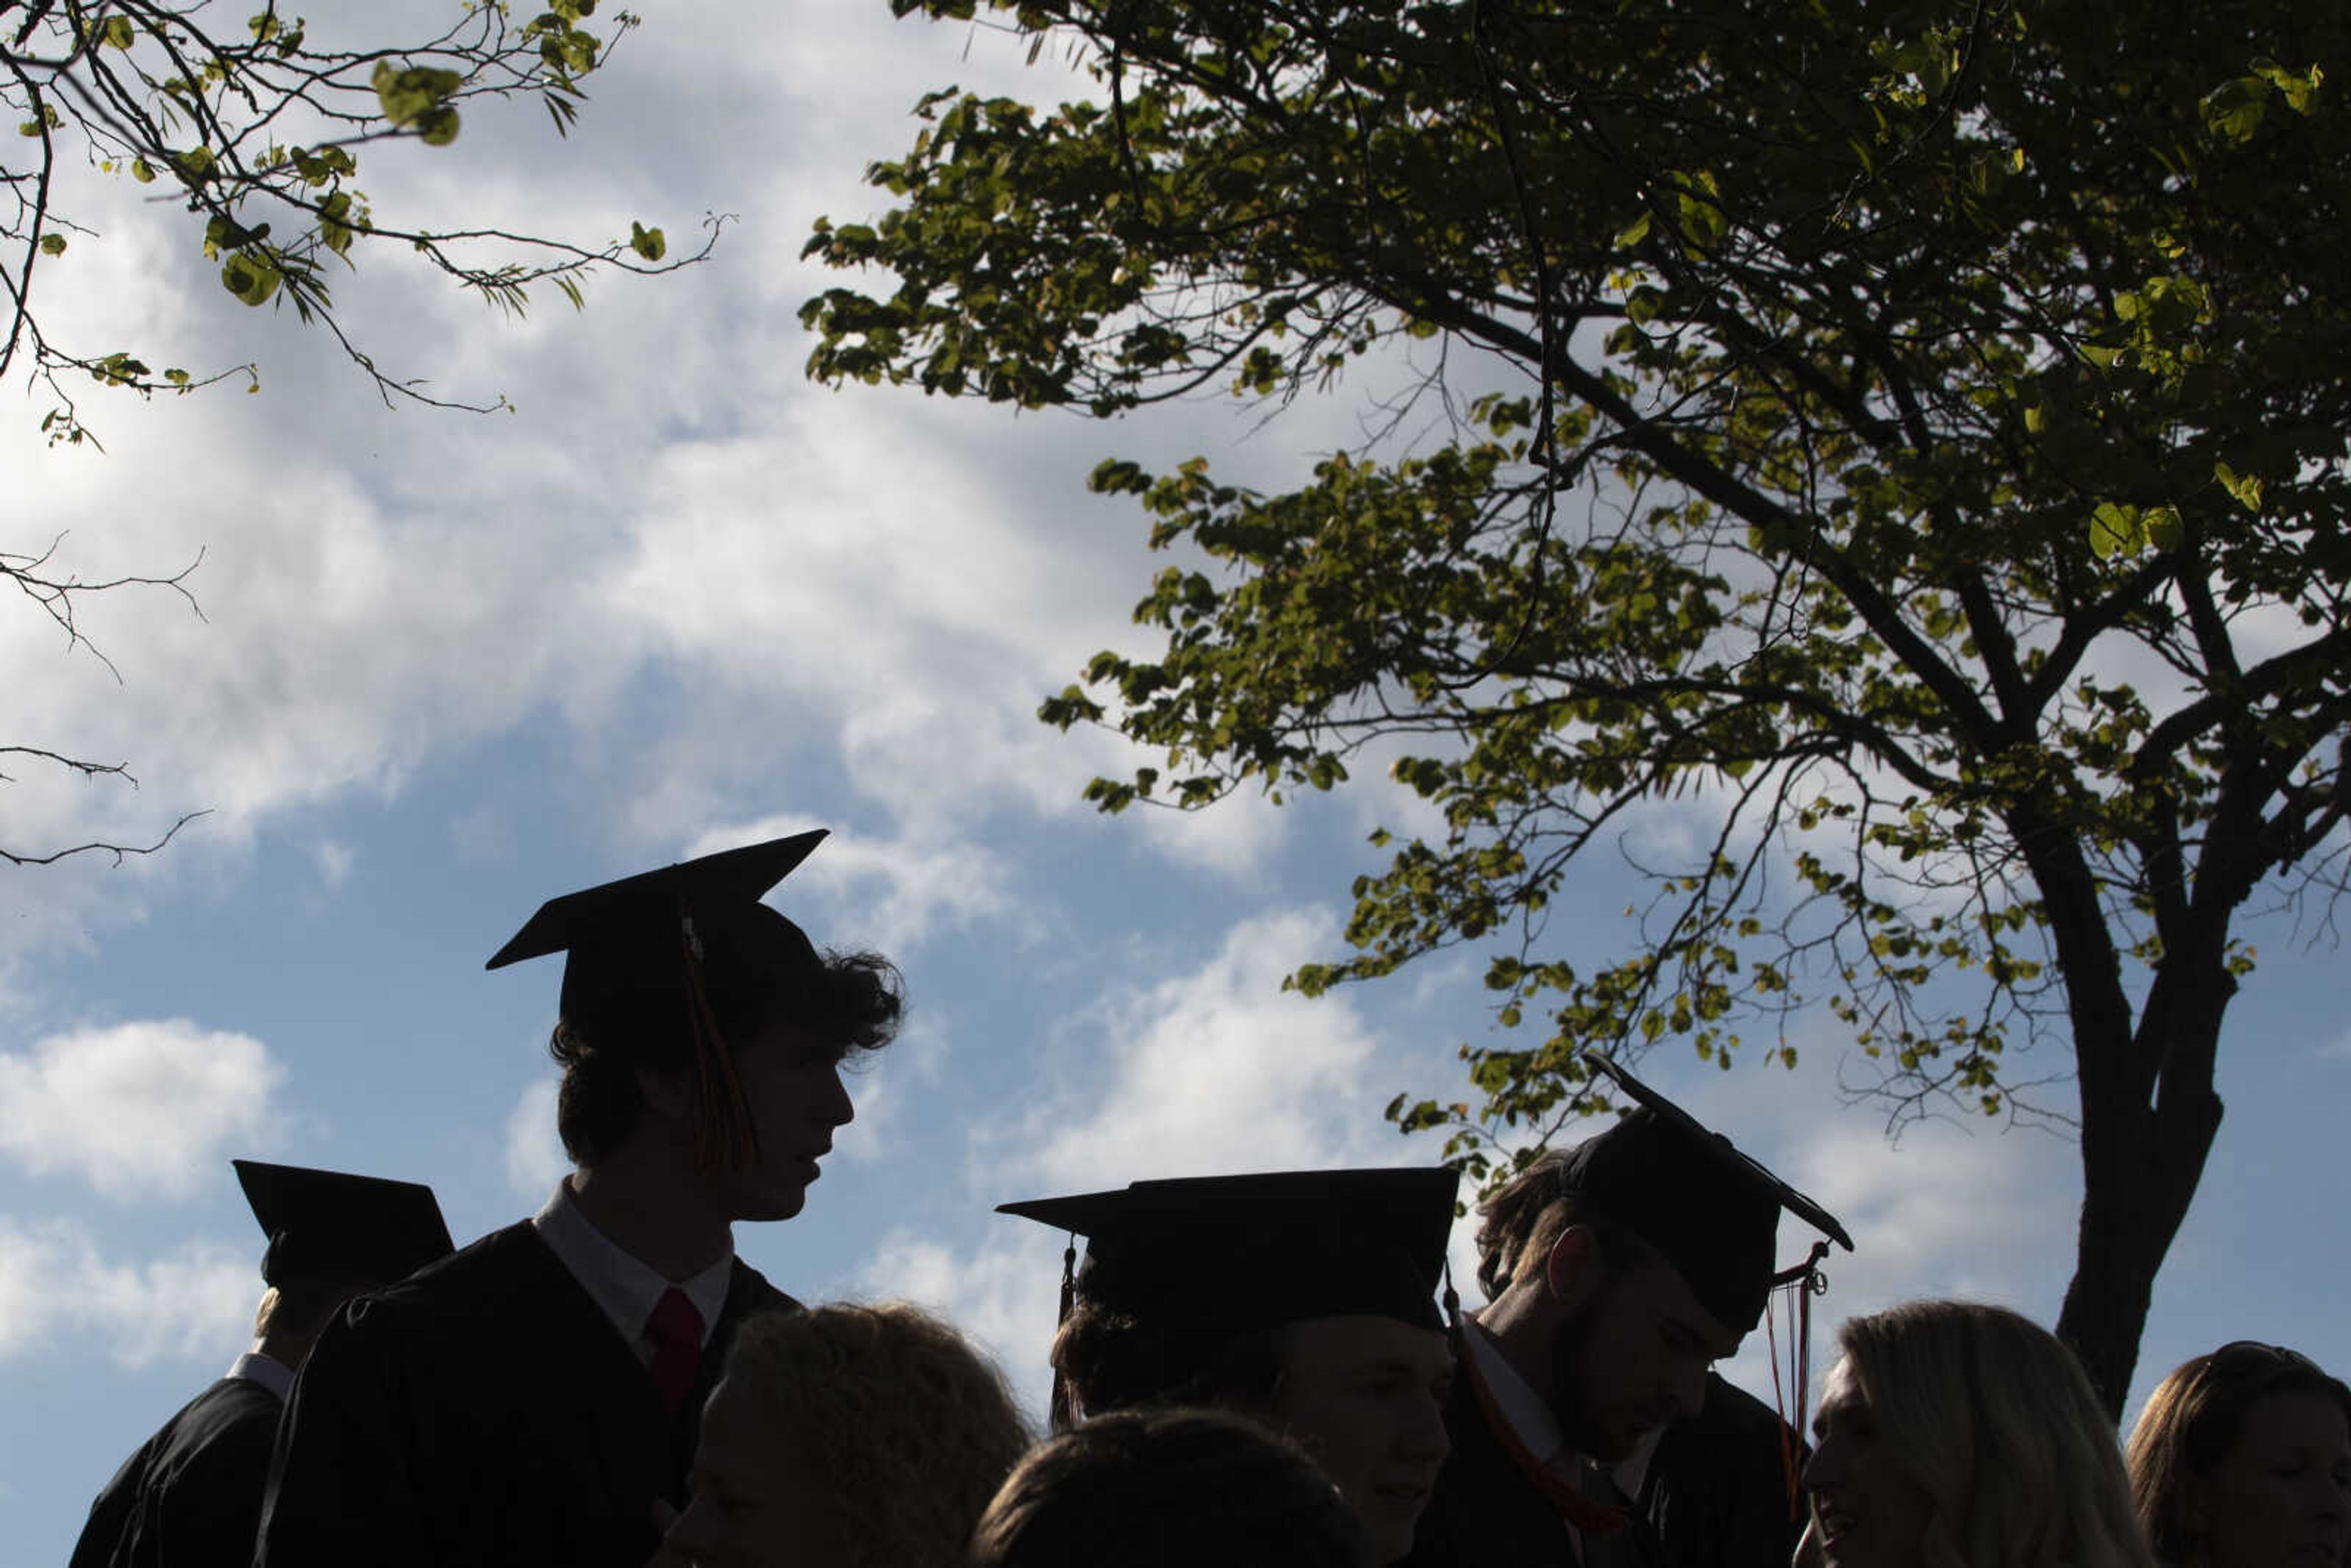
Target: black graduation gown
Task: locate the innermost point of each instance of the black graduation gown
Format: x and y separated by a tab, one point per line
1485	1513
483	1411
1715	1495
1716	1490
191	1496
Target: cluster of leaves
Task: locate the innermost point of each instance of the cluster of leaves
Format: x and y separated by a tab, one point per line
258	136
1909	434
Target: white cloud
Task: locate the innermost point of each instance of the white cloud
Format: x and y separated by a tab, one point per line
1002	1294
195	1303
535	1157
1211	1072
1221	1071
888	894
334	860
138	1109
883	1090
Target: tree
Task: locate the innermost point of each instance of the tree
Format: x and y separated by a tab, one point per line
257	135
1912	432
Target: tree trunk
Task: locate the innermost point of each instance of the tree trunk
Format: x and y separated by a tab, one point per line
2128	1225
2146	1134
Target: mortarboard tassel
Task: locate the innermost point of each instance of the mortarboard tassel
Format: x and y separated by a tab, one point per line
1807	1281
724	1135
1063	1417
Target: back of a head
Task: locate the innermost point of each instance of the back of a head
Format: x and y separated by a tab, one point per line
1169	1488
1997	1421
2195	1416
894	1420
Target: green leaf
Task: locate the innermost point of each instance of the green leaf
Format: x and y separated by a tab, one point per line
142	171
117	368
1634	233
2299	89
336	229
252	279
1698	200
647	243
437	127
2116	531
2232	111
53	244
2245	488
407	96
2163	528
117	32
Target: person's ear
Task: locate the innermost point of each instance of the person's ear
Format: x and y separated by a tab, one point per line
668	1095
1573	1265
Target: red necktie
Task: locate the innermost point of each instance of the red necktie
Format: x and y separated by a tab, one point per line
675	1329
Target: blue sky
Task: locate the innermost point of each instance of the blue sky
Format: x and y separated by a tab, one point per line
448	666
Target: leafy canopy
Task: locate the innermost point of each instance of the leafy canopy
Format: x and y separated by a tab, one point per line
1911	435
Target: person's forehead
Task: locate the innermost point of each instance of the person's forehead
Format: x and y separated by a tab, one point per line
1841	1387
734	1434
2298	1416
1663	1292
1366	1340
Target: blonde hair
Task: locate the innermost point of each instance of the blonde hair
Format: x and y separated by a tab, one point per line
1997	1421
904	1426
2195	1416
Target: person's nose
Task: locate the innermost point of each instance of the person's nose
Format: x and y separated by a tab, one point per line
840	1110
2324	1499
1425	1437
1825	1468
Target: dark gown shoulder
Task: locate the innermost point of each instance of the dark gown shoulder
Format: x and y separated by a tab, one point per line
1716	1490
482	1411
191	1496
1484	1511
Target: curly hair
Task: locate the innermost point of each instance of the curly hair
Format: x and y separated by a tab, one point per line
1115	1361
2196	1416
1169	1488
905	1427
852	1003
1996	1420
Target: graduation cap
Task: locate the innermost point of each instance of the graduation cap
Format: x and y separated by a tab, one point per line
343	1228
1204	1260
687	946
1712	1211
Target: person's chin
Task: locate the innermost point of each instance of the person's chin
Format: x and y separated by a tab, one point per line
1391	1516
1610	1445
775	1201
1391	1539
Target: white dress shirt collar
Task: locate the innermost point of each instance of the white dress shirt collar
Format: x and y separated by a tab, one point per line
1531	1419
626	1289
1526	1412
267	1370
